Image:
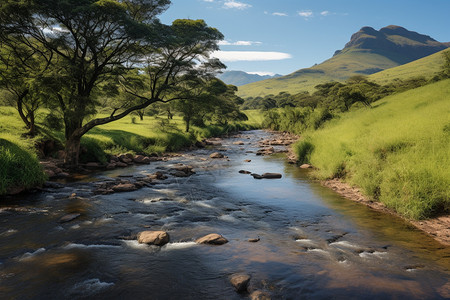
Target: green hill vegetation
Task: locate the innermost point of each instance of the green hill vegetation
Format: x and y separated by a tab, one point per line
424	67
397	151
369	51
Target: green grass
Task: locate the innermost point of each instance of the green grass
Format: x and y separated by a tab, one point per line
255	117
151	135
19	166
397	152
427	67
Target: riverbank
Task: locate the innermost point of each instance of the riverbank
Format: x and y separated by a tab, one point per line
438	227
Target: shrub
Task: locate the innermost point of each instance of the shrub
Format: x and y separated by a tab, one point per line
303	149
92	151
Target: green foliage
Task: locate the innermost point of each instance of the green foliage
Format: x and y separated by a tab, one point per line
303	150
397	152
53	122
446	66
19	166
92	151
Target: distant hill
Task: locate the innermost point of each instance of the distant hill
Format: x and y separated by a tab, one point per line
239	78
369	51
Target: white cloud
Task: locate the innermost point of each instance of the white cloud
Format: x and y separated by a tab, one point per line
238	43
306	14
233	56
262	73
235	4
279	14
325	13
208	0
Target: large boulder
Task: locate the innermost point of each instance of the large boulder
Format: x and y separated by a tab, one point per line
259	295
124	187
182	170
217	155
271	175
212	239
240	282
158	238
140	159
244	172
306	166
256	176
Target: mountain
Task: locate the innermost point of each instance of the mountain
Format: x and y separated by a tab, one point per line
239	78
368	51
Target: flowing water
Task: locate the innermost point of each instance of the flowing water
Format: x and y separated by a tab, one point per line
313	243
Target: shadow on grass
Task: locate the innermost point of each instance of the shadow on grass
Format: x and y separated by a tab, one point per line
166	140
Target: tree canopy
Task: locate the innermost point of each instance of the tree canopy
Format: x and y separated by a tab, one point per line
92	48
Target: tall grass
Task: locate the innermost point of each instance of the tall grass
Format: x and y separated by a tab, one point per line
398	152
19	166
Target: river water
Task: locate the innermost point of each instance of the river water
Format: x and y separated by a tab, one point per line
313	243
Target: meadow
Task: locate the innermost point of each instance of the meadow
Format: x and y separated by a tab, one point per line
397	152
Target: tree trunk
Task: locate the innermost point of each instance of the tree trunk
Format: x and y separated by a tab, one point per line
32	128
20	109
73	134
72	152
187	121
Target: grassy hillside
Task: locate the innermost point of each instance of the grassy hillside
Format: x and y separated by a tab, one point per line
427	66
368	51
397	152
337	68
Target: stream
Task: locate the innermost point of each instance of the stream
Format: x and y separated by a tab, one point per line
313	244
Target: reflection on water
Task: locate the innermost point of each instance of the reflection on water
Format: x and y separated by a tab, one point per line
313	243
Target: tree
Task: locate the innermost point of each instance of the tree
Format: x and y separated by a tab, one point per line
20	74
93	42
446	66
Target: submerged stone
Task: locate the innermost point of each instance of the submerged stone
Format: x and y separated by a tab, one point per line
240	282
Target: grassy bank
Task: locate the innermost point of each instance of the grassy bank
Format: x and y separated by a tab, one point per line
397	152
151	135
19	165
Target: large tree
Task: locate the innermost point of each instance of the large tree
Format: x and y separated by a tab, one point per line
94	42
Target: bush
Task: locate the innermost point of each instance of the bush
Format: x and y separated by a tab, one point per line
19	167
303	149
92	151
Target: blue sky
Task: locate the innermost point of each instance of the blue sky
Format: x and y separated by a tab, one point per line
282	36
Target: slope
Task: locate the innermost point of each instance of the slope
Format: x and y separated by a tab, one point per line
427	67
397	152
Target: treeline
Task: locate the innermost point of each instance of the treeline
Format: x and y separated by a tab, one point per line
299	112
